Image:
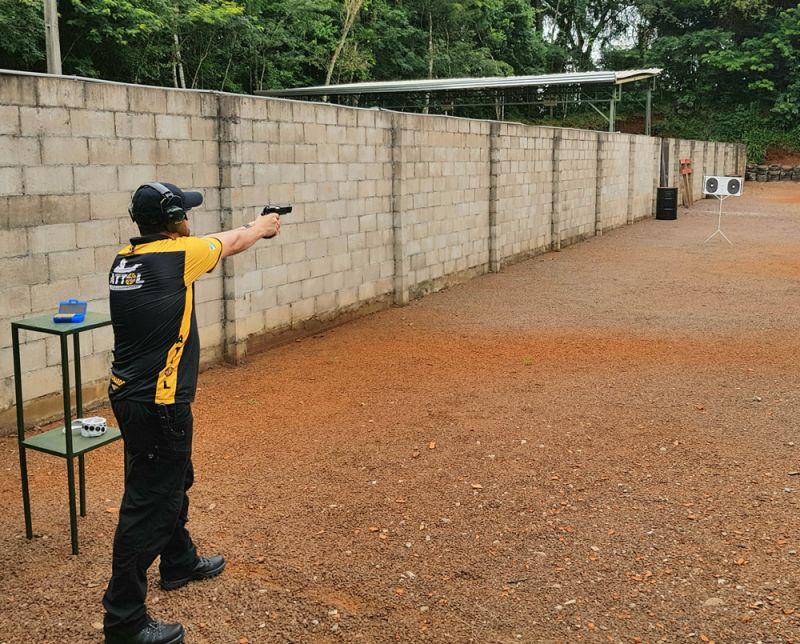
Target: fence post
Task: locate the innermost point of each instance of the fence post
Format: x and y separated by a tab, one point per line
231	211
555	217
494	260
399	230
631	177
598	184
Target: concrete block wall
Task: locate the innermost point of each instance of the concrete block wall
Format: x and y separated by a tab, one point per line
708	158
443	195
729	160
387	206
683	150
574	186
522	191
336	250
733	155
709	162
643	176
669	144
72	152
699	153
612	193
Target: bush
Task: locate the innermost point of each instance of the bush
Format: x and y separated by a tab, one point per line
757	130
744	124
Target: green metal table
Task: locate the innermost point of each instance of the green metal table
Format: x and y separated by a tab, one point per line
54	442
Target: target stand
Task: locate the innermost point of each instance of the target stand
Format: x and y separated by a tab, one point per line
718	231
721	188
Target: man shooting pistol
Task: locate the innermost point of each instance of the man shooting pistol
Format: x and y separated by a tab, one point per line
153	383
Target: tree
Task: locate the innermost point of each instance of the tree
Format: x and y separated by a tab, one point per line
350	11
740	57
581	27
22	26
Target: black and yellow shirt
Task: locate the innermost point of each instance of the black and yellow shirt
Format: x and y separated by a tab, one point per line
156	345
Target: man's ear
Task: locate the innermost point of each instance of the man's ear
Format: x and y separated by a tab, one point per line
178	226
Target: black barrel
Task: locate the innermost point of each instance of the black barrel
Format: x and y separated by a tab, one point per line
667	203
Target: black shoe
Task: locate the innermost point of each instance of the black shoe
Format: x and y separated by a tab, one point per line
152	633
203	569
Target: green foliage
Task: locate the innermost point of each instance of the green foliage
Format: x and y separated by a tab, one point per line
745	124
731	68
22	29
738	60
246	45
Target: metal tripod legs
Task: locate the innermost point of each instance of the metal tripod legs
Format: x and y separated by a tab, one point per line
718	231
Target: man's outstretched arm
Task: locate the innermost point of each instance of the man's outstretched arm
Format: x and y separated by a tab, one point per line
240	239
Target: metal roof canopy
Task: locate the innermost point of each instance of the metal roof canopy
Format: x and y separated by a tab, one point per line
497	90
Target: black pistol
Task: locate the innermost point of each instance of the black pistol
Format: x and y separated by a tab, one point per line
277	209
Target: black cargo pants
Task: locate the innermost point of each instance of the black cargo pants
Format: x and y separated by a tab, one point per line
154	509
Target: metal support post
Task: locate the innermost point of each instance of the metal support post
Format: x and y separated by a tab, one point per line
82	483
79	411
23	461
73	515
648	112
612	113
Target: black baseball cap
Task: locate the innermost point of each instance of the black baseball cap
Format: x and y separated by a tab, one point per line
146	203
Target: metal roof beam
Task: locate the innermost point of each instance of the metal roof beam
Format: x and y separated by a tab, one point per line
450	84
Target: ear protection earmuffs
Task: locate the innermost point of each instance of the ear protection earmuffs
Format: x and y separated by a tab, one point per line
171	205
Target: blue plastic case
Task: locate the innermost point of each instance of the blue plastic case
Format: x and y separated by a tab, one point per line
70	312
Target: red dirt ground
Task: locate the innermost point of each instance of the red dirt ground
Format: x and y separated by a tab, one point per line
598	444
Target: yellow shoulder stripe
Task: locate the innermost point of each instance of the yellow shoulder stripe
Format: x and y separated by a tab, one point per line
159	246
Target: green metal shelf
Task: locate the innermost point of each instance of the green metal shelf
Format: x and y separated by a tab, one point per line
45	324
54	442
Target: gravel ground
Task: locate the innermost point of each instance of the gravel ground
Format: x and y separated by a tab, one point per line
597	444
